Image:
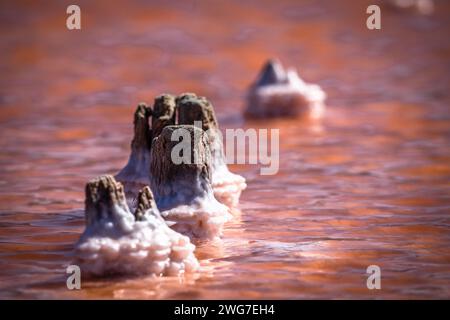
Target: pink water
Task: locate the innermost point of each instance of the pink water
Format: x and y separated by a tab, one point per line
368	184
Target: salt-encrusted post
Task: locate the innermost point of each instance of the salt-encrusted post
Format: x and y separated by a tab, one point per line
227	186
183	190
163	113
104	197
146	205
136	170
180	183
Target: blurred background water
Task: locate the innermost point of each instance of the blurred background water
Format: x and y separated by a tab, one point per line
367	184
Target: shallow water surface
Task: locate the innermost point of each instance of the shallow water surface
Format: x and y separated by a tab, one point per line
367	184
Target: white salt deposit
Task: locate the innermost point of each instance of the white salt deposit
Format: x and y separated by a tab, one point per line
115	243
227	186
283	93
203	218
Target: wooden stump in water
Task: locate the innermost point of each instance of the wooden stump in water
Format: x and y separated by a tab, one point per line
163	113
194	108
104	196
137	168
167	111
227	186
146	205
279	92
181	183
142	134
272	73
118	242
